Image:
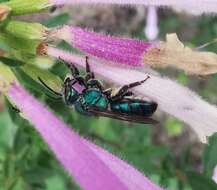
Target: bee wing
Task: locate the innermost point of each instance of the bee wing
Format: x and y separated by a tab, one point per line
134	119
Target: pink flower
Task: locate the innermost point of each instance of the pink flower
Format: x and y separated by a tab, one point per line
122	50
91	166
172	98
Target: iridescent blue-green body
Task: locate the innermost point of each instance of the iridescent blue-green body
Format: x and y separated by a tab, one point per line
134	107
89	98
95	98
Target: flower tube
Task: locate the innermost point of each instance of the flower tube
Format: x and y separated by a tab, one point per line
92	167
171	97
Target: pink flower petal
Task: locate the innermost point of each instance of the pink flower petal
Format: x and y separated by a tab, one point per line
127	174
171	97
122	50
91	166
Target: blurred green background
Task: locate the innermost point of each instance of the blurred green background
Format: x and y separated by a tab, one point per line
170	153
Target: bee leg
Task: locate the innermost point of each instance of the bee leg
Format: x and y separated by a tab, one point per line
134	84
124	90
69	82
75	74
89	74
74	70
95	83
72	67
129	93
81	81
108	92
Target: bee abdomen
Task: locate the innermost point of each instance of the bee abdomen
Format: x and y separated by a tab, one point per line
134	107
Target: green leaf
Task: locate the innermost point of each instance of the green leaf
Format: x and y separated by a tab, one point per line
200	182
10	43
18	184
183	78
27	81
50	79
37	175
7	131
172	184
26	30
11	62
210	156
55	183
3	1
174	127
7	76
43	62
57	20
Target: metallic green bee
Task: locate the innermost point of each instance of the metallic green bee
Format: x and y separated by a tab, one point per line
97	101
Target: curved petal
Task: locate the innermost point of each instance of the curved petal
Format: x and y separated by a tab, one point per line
91	166
121	50
171	97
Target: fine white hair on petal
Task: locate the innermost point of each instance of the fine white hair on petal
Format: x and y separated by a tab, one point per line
171	97
128	174
192	6
84	160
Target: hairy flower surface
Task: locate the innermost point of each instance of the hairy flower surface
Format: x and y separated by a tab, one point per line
121	50
25	44
91	166
169	53
171	97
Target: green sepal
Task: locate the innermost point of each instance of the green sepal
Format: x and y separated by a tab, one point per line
7	78
6	74
20	7
43	62
26	30
11	42
58	20
53	81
